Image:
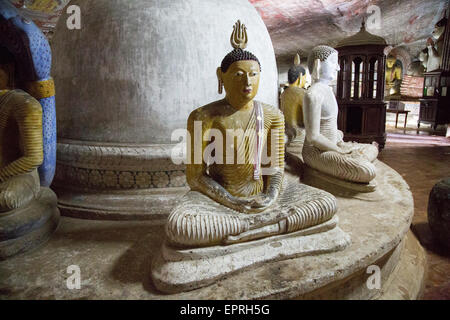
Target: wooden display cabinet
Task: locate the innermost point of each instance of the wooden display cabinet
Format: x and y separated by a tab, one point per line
435	104
360	88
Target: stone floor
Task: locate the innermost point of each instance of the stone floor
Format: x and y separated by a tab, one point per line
423	159
114	258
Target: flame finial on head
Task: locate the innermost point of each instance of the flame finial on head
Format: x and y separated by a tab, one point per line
297	60
239	38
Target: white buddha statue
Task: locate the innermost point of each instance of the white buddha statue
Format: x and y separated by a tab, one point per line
435	46
324	149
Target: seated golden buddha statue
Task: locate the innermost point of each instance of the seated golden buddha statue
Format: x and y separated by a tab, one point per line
393	77
28	213
236	197
292	107
22	147
324	149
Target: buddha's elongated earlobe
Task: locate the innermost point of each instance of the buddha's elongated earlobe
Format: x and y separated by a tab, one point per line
304	82
220	87
316	72
219	79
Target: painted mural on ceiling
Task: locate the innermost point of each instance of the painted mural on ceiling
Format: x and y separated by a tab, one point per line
44	13
298	25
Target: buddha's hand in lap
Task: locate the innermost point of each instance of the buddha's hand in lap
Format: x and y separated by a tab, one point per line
257	203
239	204
358	154
262	201
352	148
345	148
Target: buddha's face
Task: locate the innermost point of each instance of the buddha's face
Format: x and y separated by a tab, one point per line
241	81
330	67
4	78
390	62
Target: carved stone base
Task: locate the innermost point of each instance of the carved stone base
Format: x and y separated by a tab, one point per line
105	181
402	277
26	228
177	270
326	182
152	204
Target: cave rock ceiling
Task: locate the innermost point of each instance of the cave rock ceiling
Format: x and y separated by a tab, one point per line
298	25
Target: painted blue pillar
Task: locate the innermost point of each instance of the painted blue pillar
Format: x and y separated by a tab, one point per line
31	50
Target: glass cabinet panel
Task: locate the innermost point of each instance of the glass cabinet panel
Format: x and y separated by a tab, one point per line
352	92
357	78
373	79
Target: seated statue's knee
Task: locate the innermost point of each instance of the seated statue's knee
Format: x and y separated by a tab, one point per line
316	212
366	172
177	228
328	205
185	228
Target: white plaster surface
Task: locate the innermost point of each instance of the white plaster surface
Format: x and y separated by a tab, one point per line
136	69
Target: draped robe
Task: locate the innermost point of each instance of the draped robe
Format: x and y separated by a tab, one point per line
199	220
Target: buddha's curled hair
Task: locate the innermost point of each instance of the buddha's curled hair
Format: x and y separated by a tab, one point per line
320	52
237	55
295	72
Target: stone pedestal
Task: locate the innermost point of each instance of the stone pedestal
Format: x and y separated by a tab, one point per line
125	82
177	270
25	228
115	258
439	211
332	184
